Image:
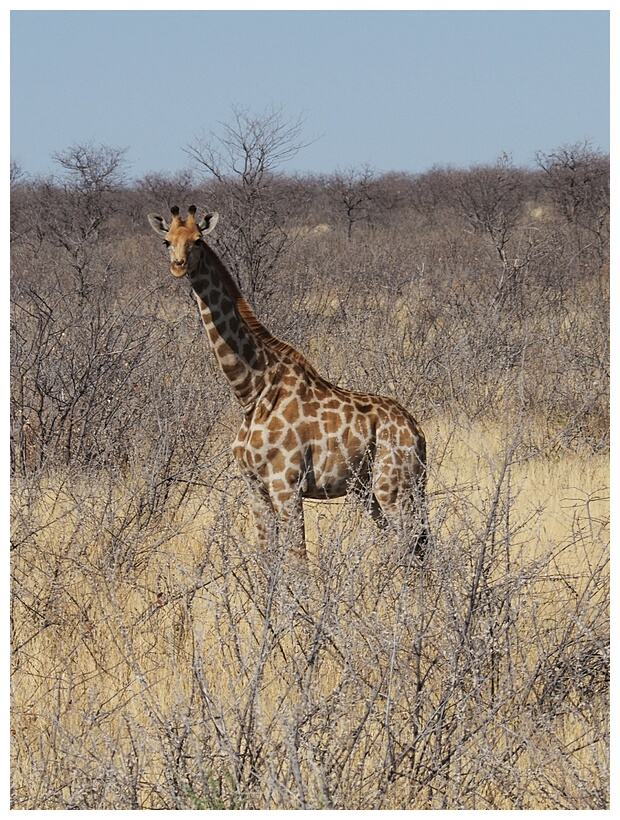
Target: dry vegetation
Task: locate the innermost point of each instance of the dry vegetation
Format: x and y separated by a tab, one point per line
158	661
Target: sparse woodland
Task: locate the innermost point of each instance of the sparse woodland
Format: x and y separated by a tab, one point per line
160	662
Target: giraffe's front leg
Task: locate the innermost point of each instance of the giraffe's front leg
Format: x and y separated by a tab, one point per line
260	502
278	517
262	511
289	512
276	504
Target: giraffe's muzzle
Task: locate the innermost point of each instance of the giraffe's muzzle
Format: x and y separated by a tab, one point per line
179	268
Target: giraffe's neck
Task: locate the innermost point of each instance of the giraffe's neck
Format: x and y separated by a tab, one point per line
239	342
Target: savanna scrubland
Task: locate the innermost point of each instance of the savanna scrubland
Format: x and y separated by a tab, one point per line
159	662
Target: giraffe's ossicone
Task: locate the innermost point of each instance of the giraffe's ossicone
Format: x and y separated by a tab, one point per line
301	436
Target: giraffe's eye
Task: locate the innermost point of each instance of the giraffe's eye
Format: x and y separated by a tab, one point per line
166	243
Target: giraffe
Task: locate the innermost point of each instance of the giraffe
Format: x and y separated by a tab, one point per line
301	436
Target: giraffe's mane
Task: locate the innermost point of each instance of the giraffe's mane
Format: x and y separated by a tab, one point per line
251	320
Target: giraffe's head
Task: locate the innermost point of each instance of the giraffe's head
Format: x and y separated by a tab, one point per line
182	237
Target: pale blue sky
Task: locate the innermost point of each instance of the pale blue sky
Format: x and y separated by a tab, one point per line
397	90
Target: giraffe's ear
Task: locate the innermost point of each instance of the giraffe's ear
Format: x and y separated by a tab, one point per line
157	224
207	223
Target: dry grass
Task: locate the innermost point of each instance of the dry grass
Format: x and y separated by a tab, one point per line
165	665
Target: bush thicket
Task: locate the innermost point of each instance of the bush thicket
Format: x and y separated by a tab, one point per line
157	662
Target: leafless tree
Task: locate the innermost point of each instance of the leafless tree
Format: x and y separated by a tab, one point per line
17	173
352	193
164	191
73	209
489	197
241	164
576	178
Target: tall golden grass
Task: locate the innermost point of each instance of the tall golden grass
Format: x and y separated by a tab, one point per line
166	665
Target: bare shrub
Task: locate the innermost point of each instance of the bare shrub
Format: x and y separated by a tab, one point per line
199	676
576	180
